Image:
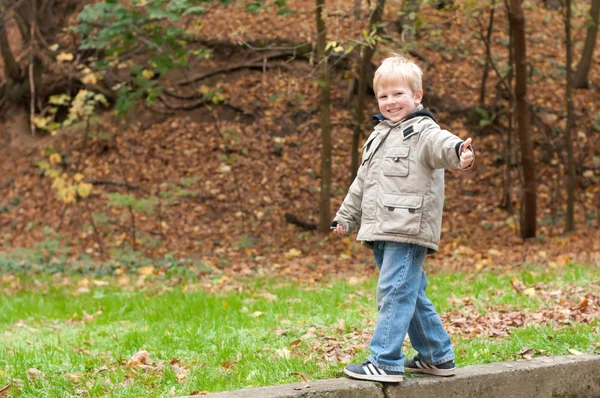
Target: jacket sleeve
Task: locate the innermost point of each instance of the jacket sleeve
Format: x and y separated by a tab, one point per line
439	149
350	211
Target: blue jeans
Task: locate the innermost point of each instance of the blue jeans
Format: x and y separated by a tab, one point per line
404	308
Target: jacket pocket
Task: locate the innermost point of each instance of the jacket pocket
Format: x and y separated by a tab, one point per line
395	162
402	214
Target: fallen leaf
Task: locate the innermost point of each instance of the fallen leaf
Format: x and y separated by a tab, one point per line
295	344
293	253
353	281
268	296
4	391
517	285
304	387
180	371
34	373
139	358
101	369
74	377
529	292
282	353
497	332
575	352
527	353
146	270
302	376
64	57
224	168
228	364
85	282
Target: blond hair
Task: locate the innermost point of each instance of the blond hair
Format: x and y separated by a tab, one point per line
398	68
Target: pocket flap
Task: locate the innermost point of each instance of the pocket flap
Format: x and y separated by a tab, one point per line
397	152
403	201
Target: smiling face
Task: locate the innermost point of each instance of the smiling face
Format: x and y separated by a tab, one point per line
396	101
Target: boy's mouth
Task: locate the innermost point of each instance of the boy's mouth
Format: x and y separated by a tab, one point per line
394	110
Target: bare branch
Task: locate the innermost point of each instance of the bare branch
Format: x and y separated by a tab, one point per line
119	184
256	63
198	104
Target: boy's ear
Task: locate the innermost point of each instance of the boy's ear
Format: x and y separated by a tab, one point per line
419	96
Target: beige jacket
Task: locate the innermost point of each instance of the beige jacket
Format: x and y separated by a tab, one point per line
398	194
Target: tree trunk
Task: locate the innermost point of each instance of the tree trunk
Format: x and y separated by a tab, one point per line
11	66
528	205
508	181
570	220
365	62
357	4
583	68
324	118
488	54
406	22
37	21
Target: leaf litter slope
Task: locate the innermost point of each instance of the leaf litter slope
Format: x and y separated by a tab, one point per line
250	163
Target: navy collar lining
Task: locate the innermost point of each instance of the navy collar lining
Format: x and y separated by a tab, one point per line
423	112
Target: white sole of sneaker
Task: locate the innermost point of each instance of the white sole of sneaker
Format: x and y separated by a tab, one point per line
380	378
435	372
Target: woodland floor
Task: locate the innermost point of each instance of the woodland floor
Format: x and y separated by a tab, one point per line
246	164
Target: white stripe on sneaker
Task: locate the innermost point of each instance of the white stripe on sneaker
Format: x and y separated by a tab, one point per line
373	369
367	370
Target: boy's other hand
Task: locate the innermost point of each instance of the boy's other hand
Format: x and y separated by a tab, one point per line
466	154
339	230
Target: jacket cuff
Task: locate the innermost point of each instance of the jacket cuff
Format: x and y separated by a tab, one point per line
348	226
457	149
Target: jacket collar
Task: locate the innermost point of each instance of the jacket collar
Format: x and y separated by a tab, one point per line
420	112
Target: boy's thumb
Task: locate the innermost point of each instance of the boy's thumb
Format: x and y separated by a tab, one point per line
466	144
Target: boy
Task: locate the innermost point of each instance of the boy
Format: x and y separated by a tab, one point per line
396	202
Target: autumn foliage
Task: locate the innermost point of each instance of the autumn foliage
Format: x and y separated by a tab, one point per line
215	181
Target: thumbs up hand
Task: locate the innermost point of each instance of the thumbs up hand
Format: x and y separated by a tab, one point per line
466	154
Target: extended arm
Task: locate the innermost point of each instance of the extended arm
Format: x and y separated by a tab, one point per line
440	149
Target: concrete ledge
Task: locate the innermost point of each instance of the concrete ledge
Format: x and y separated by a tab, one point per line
552	377
329	388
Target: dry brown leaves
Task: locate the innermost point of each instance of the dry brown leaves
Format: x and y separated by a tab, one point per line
141	361
266	163
573	304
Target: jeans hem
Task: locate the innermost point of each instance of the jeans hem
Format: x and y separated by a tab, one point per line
443	360
378	364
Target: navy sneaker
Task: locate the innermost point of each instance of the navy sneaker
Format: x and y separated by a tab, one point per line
445	369
368	371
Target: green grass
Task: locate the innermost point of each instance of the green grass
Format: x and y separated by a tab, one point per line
260	332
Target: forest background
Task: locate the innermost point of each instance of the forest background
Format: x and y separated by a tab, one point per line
219	136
